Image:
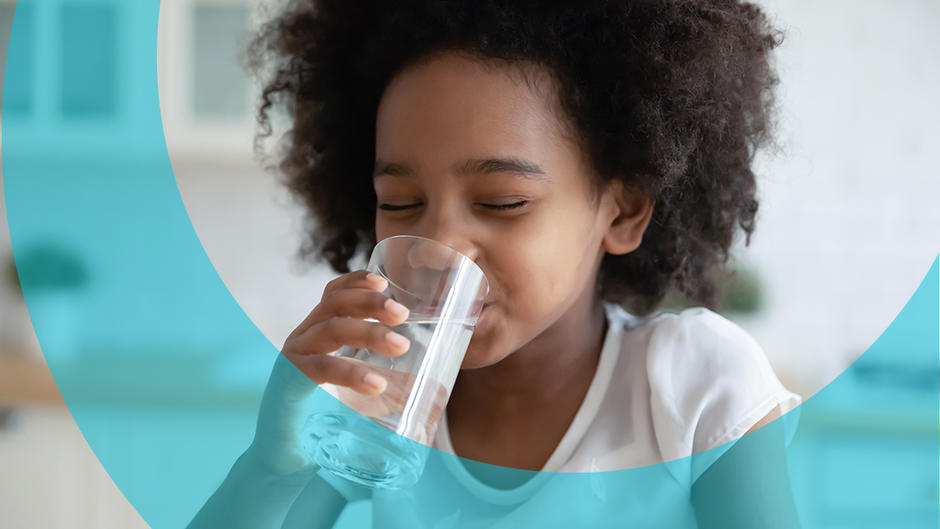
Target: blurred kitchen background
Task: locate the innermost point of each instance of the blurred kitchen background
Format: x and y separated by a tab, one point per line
848	226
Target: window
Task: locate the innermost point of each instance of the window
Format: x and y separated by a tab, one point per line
89	61
218	83
18	87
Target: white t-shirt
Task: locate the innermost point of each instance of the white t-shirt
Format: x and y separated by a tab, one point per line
666	387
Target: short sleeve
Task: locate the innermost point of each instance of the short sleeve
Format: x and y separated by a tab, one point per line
710	382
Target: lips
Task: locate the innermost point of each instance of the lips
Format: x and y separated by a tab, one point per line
423	308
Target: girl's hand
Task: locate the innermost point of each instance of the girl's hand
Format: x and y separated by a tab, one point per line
336	321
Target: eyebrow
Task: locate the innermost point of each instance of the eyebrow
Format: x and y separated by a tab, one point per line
510	165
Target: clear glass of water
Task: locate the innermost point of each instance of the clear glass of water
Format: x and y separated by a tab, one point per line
382	440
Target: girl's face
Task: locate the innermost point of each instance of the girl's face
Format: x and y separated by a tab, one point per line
476	158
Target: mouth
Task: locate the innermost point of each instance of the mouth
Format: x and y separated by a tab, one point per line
436	309
481	306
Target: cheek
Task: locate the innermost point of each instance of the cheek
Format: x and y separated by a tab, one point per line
539	262
565	253
382	230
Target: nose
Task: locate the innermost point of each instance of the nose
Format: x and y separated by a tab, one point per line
428	259
450	232
428	255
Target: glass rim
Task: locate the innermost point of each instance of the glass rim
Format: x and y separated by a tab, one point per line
486	281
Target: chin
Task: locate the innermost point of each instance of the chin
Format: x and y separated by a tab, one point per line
482	352
481	356
477	363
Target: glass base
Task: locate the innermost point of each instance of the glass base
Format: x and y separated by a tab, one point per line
361	451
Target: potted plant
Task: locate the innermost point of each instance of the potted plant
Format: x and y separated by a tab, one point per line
738	293
50	275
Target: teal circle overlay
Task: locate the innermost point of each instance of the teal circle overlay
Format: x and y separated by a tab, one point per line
152	353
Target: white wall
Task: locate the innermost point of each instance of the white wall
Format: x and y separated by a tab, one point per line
848	222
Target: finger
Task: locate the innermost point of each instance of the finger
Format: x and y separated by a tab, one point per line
364	303
358	279
401	386
398	389
389	402
346	372
395	398
328	336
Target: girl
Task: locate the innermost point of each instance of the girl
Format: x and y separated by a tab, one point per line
591	157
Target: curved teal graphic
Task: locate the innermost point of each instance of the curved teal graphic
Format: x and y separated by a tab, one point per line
151	351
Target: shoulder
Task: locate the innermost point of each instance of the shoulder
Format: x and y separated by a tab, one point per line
700	328
694	360
695	339
692	324
701	342
710	381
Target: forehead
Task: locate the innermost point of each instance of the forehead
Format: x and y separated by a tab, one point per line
452	107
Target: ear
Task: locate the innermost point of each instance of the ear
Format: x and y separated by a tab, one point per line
628	213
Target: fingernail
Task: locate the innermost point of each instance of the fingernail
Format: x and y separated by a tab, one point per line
374	381
398	340
377	279
396	308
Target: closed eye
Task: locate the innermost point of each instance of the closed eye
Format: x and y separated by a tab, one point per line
506	206
392	207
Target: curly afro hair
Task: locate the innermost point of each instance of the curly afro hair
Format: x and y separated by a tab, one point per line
673	97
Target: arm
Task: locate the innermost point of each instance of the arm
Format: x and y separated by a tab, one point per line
317	507
274	479
275	482
253	497
749	485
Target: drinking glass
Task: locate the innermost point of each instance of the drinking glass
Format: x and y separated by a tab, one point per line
382	440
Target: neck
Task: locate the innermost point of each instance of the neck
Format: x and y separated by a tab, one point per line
563	357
